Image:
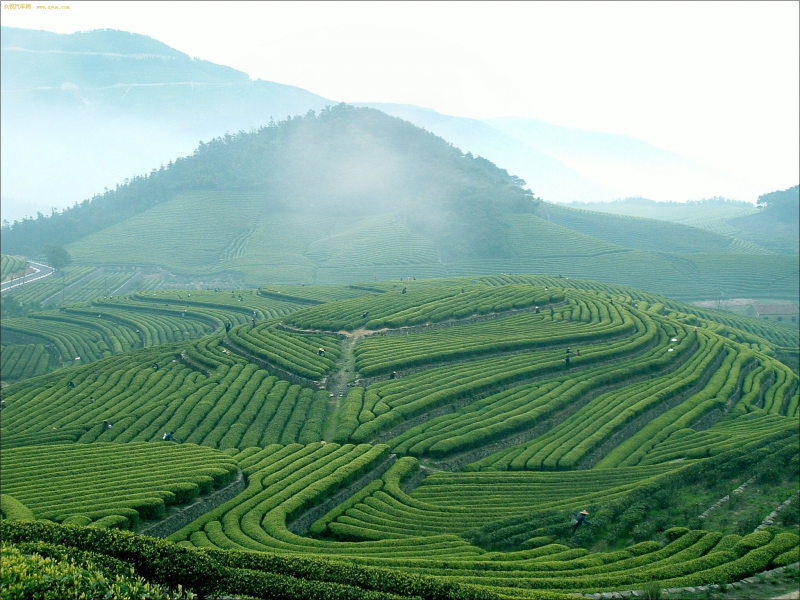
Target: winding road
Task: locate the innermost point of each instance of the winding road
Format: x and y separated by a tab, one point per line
40	272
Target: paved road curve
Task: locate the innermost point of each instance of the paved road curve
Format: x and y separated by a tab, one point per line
40	272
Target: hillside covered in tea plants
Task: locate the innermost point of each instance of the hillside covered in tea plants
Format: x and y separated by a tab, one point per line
350	194
430	438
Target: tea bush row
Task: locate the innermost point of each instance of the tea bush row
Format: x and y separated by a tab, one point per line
11	266
294	352
234	404
19	361
100	480
386	353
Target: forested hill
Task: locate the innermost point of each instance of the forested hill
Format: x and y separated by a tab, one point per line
344	161
112	104
776	225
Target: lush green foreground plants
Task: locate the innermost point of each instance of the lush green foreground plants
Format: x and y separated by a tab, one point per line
140	478
231	573
431	438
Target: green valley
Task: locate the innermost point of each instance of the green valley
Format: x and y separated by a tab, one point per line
425	438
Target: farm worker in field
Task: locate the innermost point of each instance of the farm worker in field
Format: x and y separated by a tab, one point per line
168	437
227	326
71	385
404	290
580	518
254	322
2	404
91	400
364	315
321	352
155	367
566	360
536	309
393	375
106	425
254	315
577	352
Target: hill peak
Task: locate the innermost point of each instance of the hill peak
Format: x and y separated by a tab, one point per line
342	162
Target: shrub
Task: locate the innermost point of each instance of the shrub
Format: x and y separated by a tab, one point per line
652	590
32	576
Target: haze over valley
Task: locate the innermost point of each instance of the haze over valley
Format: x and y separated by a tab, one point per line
443	301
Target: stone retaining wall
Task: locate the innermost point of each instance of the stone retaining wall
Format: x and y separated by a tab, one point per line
183	516
303	522
770	518
727	498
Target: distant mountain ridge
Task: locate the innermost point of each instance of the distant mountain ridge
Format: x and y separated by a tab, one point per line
352	194
547	176
142	104
625	164
85	111
346	161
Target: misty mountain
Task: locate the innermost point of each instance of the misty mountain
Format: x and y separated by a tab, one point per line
625	164
565	164
351	195
86	110
345	162
548	177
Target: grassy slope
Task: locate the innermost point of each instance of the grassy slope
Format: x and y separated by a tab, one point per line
207	232
774	233
259	522
712	217
637	232
11	266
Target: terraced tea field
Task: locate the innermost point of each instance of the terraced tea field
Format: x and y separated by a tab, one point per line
637	232
58	283
440	428
712	217
84	332
240	238
142	477
24	360
11	266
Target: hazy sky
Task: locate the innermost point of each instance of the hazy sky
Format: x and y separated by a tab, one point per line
718	81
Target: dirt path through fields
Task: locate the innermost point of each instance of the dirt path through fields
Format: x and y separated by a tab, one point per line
338	383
